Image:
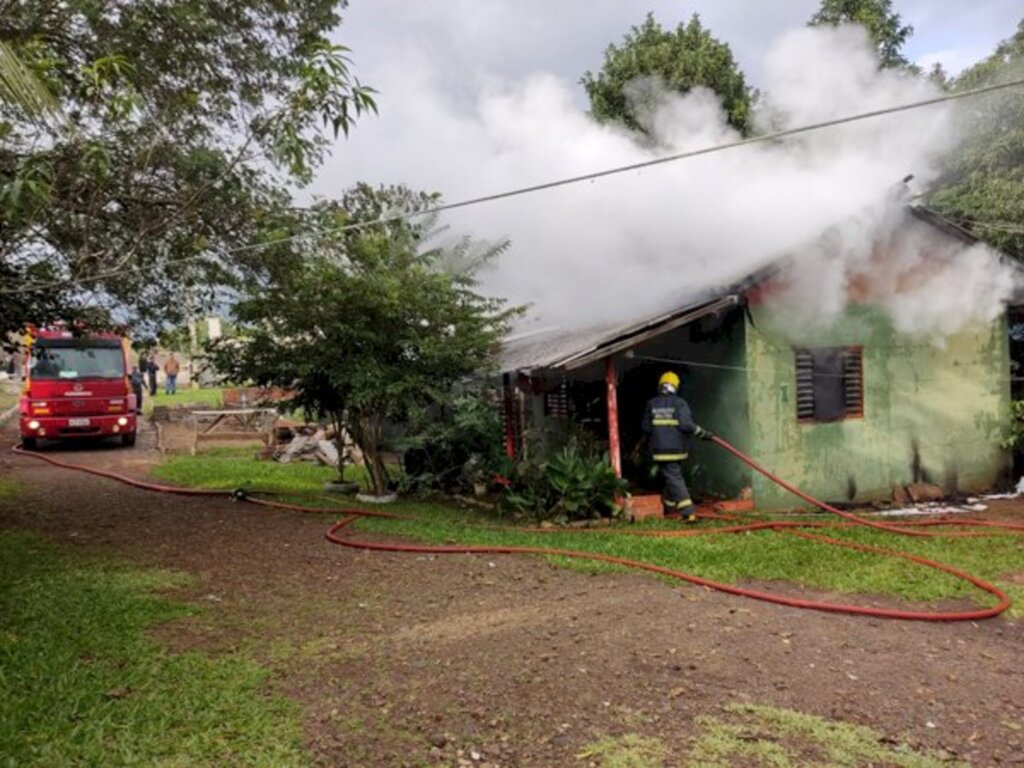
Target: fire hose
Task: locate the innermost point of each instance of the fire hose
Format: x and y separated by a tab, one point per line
341	533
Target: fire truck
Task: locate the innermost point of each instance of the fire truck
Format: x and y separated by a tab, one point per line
76	386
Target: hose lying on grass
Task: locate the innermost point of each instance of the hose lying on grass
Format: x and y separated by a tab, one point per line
341	533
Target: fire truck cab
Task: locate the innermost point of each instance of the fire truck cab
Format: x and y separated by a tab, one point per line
76	386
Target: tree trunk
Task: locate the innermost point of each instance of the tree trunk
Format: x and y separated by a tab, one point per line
366	431
338	422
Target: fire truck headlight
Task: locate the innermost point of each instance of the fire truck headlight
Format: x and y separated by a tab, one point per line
123	421
33	425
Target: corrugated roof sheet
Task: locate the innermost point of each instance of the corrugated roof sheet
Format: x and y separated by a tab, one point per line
556	347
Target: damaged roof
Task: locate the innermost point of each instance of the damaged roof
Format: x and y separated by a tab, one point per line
559	347
573	348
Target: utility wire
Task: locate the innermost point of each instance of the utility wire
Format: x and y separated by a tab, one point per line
790	372
786	372
566	181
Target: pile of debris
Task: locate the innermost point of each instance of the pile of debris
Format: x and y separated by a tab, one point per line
311	442
928	499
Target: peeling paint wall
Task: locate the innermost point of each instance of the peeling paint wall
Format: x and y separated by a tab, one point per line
931	414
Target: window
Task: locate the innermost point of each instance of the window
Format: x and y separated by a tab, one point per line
556	402
829	384
66	362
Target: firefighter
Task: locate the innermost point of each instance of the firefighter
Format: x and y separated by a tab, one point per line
668	427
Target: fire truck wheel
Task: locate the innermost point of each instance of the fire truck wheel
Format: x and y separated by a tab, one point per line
28	443
128	440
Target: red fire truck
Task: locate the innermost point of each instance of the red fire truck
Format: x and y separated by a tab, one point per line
76	386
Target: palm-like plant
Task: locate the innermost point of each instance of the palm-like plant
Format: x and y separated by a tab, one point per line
21	88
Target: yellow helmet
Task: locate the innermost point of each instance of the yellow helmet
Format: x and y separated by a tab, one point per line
670	379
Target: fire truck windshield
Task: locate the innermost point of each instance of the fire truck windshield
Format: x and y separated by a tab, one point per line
65	361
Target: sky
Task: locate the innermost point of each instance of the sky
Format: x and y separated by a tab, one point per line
473	42
480	96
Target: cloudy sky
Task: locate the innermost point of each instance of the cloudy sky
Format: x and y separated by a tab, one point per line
481	96
469	43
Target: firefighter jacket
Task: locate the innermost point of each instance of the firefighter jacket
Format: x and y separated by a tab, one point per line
669	428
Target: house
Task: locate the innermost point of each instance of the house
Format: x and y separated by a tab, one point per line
848	409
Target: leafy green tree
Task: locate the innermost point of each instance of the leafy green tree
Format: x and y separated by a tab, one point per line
982	185
183	126
677	60
369	325
883	24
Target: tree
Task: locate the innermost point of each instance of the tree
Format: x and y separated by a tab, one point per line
183	126
982	184
884	26
368	325
678	61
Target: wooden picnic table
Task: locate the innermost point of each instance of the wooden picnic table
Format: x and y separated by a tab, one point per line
233	424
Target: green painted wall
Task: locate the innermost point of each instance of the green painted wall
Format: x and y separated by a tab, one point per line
930	413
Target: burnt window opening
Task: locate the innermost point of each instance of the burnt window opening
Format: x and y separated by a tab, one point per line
829	384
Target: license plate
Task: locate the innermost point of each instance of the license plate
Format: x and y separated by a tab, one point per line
78	422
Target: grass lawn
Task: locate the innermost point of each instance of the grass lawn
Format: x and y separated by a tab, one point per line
734	739
761	556
212	397
8	488
82	684
236	468
8	397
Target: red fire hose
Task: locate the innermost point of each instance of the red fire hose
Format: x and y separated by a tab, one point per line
335	535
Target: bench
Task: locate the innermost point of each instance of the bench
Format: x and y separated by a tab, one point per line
234	424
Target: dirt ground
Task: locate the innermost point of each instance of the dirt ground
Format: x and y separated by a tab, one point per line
413	660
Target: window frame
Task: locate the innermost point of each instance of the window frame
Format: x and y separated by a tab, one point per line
848	352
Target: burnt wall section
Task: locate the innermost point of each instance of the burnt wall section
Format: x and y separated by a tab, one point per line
932	410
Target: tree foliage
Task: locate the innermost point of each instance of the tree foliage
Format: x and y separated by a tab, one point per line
678	61
982	185
884	26
368	325
457	444
21	89
181	125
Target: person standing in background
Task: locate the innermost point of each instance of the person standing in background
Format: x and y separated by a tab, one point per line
137	387
150	372
171	369
143	366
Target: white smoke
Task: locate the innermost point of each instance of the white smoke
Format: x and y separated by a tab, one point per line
625	246
931	284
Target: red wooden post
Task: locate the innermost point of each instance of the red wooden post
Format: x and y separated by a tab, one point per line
611	383
508	412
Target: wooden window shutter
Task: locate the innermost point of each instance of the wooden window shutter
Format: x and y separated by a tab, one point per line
853	381
829	384
804	385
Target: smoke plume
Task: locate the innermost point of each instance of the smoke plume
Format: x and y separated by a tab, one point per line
625	246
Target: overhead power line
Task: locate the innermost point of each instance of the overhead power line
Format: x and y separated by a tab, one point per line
563	182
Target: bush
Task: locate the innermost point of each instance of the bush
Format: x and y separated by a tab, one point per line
456	446
1014	434
570	485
